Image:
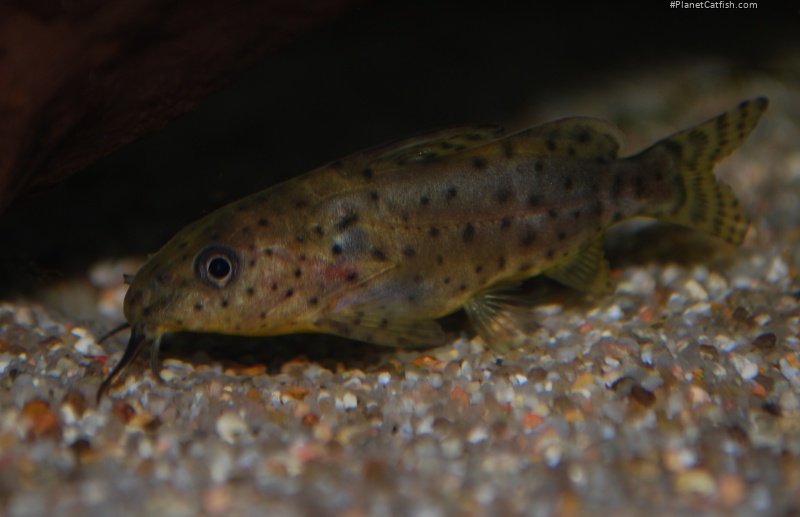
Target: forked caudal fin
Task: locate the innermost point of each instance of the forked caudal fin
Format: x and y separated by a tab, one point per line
704	203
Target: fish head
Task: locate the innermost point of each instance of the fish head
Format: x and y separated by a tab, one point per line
173	289
205	280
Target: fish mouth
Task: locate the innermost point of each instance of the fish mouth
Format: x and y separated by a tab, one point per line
139	340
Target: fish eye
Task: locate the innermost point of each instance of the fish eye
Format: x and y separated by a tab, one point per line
216	265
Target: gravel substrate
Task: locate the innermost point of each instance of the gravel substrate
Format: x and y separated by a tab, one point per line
679	394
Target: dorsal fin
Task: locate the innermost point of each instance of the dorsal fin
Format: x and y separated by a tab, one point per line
579	137
420	148
436	144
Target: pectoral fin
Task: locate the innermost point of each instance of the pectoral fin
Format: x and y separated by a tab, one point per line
504	319
586	271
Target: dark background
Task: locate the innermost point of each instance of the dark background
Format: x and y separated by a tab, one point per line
384	70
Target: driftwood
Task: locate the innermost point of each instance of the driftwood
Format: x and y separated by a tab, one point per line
81	78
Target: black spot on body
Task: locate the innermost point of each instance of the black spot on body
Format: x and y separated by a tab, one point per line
583	136
439	260
480	163
468	235
300	204
298	273
538	166
501	262
550	254
336	249
347	221
417	279
378	254
409	251
528	238
313	300
568	184
534	199
263	315
289	293
508	148
639	186
367	173
616	187
551	145
252	262
352	276
446	280
505	223
373	195
198	307
576	214
433	231
224	303
478	268
263	221
424	200
553	213
452	192
268	252
250	291
503	195
274	286
562	236
318	230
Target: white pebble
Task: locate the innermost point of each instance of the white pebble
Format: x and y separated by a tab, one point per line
614	313
87	346
778	270
762	319
746	368
231	428
384	378
698	308
725	343
23	316
477	434
787	369
548	310
519	379
695	291
349	401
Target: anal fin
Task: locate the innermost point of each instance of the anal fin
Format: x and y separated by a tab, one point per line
586	271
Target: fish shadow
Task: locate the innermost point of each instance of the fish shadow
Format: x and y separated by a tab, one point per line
645	241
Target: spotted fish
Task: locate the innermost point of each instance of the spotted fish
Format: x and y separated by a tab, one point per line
377	246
